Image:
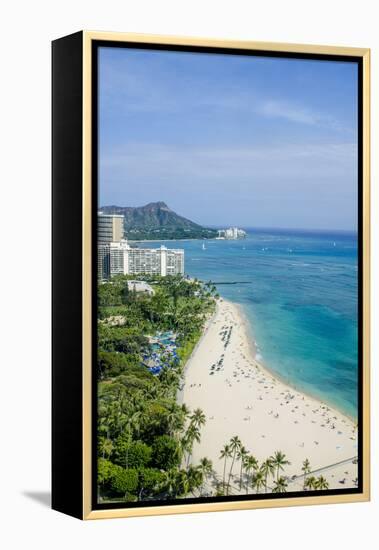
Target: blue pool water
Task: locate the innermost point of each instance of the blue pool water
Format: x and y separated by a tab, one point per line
299	292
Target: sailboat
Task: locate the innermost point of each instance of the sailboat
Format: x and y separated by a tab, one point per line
204	247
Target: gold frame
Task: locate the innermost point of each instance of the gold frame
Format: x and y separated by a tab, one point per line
364	53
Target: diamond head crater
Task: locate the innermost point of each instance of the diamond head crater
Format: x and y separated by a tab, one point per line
156	221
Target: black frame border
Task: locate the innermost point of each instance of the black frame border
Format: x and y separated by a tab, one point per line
67	206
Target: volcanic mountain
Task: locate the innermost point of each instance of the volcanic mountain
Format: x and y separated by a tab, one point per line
156	221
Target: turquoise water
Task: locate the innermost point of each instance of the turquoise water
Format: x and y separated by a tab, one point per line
299	292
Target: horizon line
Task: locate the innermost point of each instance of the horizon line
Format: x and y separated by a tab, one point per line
241	226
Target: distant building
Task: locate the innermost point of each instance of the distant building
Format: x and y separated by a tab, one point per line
118	258
140	286
110	228
156	261
103	266
231	233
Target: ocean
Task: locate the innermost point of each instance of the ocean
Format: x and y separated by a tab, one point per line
299	290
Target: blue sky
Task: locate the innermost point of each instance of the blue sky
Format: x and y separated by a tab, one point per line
252	141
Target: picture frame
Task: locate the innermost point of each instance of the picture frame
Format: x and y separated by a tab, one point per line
76	177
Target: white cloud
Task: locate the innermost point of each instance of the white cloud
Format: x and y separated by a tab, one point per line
165	161
134	90
293	113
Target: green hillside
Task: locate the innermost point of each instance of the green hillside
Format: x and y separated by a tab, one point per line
156	221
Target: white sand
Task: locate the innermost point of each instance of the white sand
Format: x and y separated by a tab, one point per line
242	398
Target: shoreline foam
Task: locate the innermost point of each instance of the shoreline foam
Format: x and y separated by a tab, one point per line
254	349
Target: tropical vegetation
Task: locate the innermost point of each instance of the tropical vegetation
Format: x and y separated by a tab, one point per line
146	437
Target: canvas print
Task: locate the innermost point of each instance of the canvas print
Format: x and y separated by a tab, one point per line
227	349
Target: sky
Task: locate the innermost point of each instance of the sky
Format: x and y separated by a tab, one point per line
230	140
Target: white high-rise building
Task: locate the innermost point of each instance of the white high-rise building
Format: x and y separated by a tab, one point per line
125	260
118	258
231	233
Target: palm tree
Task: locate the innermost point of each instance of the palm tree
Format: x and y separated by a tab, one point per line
169	380
175	292
311	483
279	460
133	424
183	482
268	468
103	421
185	411
192	434
225	454
258	480
235	445
241	455
144	418
322	483
306	469
280	485
198	418
206	468
105	446
195	478
251	464
174	418
170	482
109	422
185	445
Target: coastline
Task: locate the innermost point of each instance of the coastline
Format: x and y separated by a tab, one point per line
179	394
241	396
170	240
254	349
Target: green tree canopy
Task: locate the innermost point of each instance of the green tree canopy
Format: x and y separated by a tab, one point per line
124	481
166	453
138	453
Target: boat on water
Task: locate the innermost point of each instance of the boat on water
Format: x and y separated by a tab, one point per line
203	247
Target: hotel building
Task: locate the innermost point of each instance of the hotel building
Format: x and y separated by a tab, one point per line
232	233
125	260
116	257
110	228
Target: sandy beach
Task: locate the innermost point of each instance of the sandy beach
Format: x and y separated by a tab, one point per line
241	397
